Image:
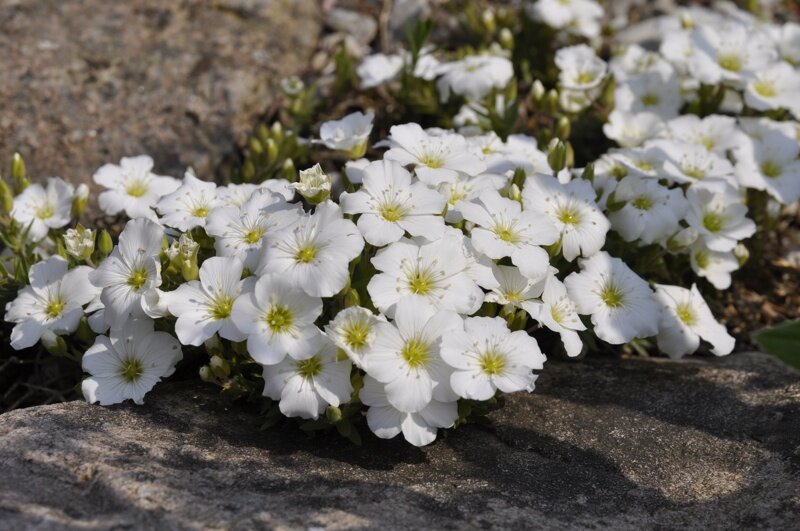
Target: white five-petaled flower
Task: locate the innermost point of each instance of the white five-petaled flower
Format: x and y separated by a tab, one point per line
557	312
651	92
314	253
53	302
44	208
580	68
621	304
132	187
633	129
578	17
514	289
714	266
473	76
691	163
377	69
390	205
306	387
685	319
487	356
716	132
405	356
128	362
718	212
651	212
278	319
189	205
504	229
774	87
771	163
240	231
350	134
436	159
132	269
572	209
728	54
354	331
440	273
203	307
387	422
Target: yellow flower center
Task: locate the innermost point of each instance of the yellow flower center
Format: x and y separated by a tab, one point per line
131	370
585	77
650	99
391	212
492	363
138	278
513	296
568	216
765	88
254	236
420	282
685	314
136	188
54	308
200	212
713	222
730	62
306	254
701	259
612	296
45	211
221	307
279	318
506	233
642	203
356	333
416	353
707	142
432	161
309	368
644	165
619	171
694	172
771	169
557	313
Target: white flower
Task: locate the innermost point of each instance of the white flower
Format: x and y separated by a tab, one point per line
487	356
651	212
774	87
132	187
79	242
128	363
466	188
278	319
189	205
315	252
439	273
513	289
387	422
405	356
132	268
716	133
520	151
789	43
42	208
53	302
693	163
729	53
474	76
715	266
635	60
578	17
390	205
436	159
580	68
236	195
771	163
685	319
717	211
204	307
354	170
572	210
378	69
646	161
240	231
350	134
759	128
306	387
503	229
354	331
314	184
633	130
557	312
621	304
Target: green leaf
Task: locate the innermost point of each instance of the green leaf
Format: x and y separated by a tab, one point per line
782	341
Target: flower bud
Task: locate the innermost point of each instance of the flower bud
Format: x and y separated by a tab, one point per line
292	85
537	91
588	172
333	414
272	150
551	100
219	366
742	253
276	132
105	244
18	178
514	193
207	375
506	39
351	298
314	185
54	344
288	170
563	127
488	20
557	156
79	200
6	198
682	239
79	242
213	345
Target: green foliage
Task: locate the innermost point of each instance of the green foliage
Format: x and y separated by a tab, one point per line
782	341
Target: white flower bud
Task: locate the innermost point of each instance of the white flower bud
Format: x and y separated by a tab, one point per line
314	185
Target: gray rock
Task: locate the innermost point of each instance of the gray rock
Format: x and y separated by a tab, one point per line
362	28
602	443
84	83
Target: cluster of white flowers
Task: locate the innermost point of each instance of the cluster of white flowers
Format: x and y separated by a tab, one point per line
418	285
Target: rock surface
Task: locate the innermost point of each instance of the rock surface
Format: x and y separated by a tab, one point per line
603	443
84	83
